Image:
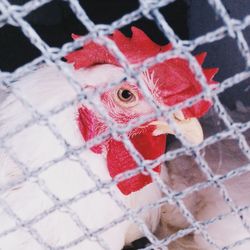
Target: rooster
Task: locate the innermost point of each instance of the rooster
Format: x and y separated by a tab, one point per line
30	150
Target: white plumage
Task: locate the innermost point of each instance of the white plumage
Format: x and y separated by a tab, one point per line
35	145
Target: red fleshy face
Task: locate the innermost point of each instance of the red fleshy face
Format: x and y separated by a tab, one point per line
174	82
174	78
119	159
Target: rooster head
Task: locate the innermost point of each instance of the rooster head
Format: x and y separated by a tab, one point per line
169	82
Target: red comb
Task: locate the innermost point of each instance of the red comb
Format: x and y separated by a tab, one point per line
175	80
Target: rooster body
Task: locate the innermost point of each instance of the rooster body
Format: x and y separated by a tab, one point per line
66	178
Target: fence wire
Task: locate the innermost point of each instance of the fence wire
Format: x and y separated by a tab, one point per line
15	15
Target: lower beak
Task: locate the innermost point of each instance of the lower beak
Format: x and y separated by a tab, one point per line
190	128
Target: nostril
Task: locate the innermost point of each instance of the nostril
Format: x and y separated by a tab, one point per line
179	116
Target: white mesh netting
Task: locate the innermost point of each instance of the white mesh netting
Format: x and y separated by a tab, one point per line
15	15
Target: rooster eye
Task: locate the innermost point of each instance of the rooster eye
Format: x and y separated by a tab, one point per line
126	95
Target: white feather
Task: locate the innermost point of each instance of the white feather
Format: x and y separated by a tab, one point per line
45	89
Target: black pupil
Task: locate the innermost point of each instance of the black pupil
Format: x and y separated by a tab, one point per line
126	94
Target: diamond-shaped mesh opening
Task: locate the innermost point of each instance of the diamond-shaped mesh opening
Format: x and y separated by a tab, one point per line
55	22
175	14
11	54
206	20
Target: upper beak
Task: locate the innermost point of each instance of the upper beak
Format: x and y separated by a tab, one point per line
190	128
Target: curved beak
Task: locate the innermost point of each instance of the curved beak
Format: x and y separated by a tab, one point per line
190	128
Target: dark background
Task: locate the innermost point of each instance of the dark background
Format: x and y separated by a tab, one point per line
55	22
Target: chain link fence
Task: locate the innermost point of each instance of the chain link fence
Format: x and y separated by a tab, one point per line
15	15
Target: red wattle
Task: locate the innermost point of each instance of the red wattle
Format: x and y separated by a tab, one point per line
119	159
